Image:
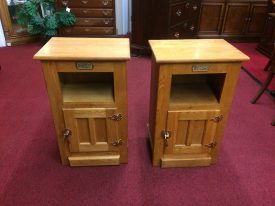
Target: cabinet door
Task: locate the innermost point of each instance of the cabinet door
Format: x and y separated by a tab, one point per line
210	18
92	130
257	19
192	132
235	19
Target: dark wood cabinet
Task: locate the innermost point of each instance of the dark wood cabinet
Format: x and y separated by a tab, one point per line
235	18
258	14
244	19
164	19
94	17
232	19
210	18
181	19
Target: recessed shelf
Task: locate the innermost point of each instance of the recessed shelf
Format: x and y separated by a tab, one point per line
87	87
192	94
201	89
94	92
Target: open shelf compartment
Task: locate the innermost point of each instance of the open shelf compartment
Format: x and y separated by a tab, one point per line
194	89
87	87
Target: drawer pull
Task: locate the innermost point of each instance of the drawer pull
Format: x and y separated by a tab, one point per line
195	7
192	28
177	34
65	3
105	2
179	13
185	25
85	11
84	1
86	21
87	30
187	5
106	13
84	65
107	31
106	21
68	30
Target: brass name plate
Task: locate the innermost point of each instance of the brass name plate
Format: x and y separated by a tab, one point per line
84	65
200	68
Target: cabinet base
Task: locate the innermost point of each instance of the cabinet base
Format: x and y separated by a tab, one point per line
185	161
77	161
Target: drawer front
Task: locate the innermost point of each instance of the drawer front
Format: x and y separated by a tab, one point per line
87	3
94	22
183	11
184	30
88	31
79	12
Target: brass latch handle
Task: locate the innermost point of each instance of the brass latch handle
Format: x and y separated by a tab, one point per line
166	135
217	118
67	133
116	117
211	145
117	143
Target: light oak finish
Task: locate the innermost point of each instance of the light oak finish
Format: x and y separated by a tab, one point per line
94	160
169	161
62	48
88	93
189	102
204	50
85	100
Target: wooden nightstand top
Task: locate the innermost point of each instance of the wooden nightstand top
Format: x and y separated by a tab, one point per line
61	48
195	50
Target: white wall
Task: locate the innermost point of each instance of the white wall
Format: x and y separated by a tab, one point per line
2	37
130	15
122	16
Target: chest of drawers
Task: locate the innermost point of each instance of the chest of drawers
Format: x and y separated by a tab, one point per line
165	19
94	17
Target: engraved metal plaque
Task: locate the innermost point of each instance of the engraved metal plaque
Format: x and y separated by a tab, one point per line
84	65
200	68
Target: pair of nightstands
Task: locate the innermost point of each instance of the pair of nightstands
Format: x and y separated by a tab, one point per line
192	85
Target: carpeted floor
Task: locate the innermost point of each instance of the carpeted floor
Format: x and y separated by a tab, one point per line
31	173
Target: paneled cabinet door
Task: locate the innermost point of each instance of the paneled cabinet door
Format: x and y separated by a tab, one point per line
257	19
192	132
210	18
91	130
235	19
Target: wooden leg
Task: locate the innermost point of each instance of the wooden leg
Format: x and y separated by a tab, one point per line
263	88
267	65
